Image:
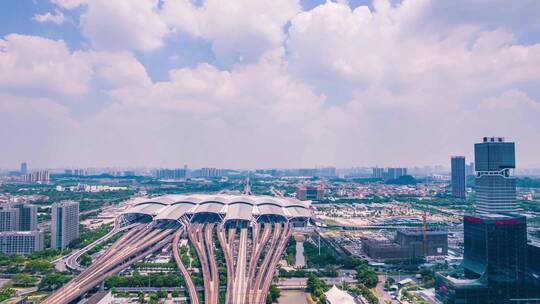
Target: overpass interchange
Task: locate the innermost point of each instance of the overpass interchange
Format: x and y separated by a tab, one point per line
250	232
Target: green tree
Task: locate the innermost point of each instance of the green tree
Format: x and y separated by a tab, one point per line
366	276
85	259
23	279
141	298
273	294
38	266
53	281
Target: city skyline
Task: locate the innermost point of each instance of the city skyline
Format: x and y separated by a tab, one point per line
346	83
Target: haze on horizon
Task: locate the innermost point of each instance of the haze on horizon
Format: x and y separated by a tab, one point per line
267	83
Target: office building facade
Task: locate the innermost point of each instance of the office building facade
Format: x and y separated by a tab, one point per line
327	172
64	224
211	172
171	173
458	177
469	169
9	218
496	262
408	243
499	265
24	168
27	216
37	177
377	172
388	173
21	242
395	173
314	193
495	184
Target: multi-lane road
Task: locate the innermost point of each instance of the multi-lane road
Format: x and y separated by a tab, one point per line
249	272
134	245
71	261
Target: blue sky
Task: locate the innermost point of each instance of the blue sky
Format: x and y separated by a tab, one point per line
278	83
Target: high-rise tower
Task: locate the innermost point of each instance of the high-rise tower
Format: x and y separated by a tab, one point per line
458	176
27	214
24	168
64	224
495	184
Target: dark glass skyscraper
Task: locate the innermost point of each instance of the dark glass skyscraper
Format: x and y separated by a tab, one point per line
494	183
496	262
499	265
458	176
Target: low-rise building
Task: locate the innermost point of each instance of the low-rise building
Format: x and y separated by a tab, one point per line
408	243
21	242
313	193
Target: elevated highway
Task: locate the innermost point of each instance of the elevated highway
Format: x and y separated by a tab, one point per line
251	233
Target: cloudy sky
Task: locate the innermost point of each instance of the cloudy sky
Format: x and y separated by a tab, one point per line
266	83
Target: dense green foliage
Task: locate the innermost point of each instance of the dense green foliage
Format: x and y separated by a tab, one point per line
88	236
141	265
6	293
273	294
402	180
158	279
528	182
313	259
27	269
367	293
297	273
389	282
290	251
317	287
328	259
428	278
352	262
533	206
53	281
366	276
38	266
23	280
189	186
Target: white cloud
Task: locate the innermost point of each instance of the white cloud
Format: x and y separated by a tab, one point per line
121	24
118	69
344	50
349	87
68	4
36	129
57	17
32	65
256	111
239	30
417	89
35	66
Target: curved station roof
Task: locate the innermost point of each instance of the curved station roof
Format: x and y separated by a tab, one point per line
229	207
